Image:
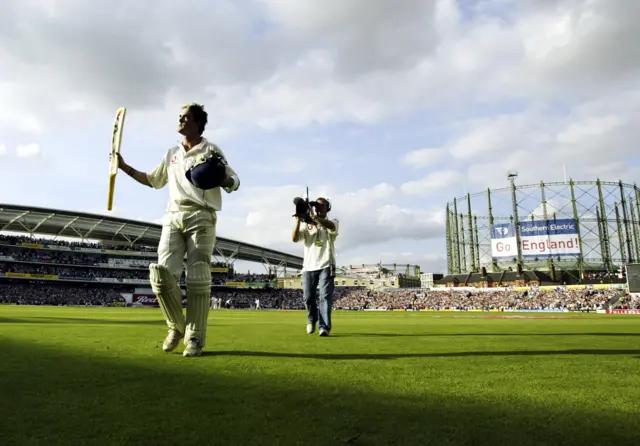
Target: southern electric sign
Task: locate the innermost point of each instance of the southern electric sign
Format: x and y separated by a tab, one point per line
538	238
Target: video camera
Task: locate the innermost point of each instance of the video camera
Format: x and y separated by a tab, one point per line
302	208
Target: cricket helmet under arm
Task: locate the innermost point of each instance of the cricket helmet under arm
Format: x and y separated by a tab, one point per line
208	172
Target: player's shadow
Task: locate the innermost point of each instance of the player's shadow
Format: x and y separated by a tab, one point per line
389	356
38	320
430	335
55	394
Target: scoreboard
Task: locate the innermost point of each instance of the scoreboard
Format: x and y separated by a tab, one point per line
633	277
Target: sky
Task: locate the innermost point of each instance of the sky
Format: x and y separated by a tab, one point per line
390	108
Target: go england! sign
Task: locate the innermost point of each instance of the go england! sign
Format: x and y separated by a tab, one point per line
538	238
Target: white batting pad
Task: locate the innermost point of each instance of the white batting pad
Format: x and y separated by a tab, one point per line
166	289
198	281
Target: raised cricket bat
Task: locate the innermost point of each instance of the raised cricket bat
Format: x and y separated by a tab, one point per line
116	141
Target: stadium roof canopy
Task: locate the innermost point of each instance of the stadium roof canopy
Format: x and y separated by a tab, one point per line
114	230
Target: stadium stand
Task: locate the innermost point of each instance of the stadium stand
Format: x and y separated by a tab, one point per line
39	265
45	272
33	275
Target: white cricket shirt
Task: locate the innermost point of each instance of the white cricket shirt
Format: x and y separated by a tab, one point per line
319	250
184	196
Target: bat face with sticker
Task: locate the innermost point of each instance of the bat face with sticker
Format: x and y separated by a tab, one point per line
116	142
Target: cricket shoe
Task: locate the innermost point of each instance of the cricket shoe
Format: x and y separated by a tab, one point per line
172	340
311	328
193	348
324	332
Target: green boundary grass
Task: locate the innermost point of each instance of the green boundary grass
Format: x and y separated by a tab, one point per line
99	376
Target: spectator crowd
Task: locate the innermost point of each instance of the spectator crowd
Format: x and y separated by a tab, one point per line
448	299
91	267
40	293
13	239
76	265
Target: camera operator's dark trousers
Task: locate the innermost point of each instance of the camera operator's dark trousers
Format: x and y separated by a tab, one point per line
322	281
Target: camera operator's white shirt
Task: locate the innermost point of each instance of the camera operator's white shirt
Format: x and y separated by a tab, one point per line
184	196
319	250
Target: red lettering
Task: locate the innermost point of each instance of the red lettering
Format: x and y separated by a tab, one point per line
623	311
502	247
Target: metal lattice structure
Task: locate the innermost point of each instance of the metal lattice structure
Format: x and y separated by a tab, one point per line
578	227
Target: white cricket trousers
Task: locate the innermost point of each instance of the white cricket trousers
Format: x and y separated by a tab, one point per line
190	232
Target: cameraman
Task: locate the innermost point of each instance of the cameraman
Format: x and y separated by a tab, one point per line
319	266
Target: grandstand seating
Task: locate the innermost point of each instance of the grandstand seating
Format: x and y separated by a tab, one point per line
38	272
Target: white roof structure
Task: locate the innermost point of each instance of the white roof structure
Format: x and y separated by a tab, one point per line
113	230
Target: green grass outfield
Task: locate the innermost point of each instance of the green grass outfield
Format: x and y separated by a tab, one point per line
99	376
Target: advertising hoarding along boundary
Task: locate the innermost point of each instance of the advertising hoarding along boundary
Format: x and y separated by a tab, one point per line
538	239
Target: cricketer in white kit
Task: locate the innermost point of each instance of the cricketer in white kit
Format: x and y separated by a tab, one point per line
189	226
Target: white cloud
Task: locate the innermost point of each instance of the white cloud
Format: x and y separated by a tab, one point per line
3	149
434	182
365	195
72	106
591	138
363	36
20	115
285	165
364	215
491	136
28	151
424	157
580	43
354	61
527	85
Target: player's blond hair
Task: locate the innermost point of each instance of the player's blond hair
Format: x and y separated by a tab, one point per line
199	114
